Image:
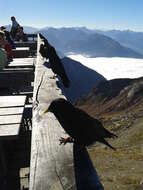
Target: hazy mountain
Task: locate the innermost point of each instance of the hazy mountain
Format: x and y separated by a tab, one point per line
93	43
127	38
81	77
27	29
87	42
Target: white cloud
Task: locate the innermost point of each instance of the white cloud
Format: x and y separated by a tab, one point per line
112	68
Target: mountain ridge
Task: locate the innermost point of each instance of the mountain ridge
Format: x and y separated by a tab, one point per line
113	96
78	41
129	42
82	78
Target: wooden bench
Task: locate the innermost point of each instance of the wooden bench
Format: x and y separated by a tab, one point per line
32	36
31	44
22	63
14	78
11	114
21	52
54	167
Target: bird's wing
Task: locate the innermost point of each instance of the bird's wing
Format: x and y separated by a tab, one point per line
101	132
91	126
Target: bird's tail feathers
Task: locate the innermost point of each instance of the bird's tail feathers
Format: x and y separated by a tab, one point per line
106	143
111	135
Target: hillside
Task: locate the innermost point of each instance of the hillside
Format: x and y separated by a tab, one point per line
127	38
119	105
81	77
115	95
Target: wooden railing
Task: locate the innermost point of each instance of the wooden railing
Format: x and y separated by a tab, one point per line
55	167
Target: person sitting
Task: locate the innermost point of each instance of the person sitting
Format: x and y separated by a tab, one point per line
14	27
5	45
20	35
8	37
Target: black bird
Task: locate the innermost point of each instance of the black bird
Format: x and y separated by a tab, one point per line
47	51
83	129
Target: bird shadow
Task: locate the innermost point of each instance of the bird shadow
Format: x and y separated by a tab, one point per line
85	174
58	82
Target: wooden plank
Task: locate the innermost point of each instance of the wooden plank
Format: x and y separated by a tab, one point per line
24	60
32	36
31	44
52	166
10	119
21	53
11	110
12	101
22	48
19	63
50	163
12	70
8	132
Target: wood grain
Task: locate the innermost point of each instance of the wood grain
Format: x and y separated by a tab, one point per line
20	62
11	110
12	101
9	131
51	165
55	167
10	119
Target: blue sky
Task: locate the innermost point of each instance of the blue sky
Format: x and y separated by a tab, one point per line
99	14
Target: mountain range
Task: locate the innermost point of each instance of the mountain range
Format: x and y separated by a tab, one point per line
87	42
92	43
127	38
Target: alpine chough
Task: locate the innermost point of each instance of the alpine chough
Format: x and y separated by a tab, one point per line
47	51
83	129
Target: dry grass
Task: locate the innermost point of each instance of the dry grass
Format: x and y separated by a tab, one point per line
121	169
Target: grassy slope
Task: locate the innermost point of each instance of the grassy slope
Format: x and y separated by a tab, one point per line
121	169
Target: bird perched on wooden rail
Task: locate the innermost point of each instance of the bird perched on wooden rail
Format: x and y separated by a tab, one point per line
47	51
83	129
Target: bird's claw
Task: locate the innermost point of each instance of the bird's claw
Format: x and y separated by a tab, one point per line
64	141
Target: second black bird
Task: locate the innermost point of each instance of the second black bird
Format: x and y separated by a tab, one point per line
47	51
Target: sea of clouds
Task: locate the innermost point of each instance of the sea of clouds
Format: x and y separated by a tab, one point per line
112	68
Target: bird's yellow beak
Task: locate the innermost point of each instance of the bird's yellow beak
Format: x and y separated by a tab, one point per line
45	112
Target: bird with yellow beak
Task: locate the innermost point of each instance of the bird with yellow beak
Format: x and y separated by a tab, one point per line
83	129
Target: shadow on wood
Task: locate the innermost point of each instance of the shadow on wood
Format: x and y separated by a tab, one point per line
85	174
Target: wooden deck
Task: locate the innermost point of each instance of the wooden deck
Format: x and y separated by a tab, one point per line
10	124
11	114
15	120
